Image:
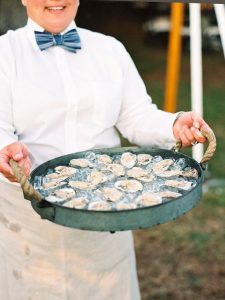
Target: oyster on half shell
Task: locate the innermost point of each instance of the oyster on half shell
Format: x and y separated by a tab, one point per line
128	159
144	159
111	193
139	173
99	205
180	184
148	199
79	162
162	165
78	203
130	186
82	185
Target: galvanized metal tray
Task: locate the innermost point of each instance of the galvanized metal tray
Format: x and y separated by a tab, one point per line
121	219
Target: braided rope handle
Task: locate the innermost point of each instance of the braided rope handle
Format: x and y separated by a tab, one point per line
28	190
210	136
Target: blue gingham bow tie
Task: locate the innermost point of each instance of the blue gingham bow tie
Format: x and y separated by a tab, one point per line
70	41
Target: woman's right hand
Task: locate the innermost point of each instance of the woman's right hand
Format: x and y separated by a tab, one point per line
19	152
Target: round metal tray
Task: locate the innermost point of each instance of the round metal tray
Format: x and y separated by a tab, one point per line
119	220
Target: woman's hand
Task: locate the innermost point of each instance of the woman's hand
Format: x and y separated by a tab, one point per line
186	128
19	153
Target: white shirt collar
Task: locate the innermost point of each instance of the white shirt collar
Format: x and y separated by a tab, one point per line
33	26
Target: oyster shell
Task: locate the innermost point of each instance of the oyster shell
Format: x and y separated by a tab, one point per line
78	203
192	173
140	174
97	177
66	193
128	159
126	205
162	165
53	184
56	177
104	159
148	199
66	171
144	159
99	205
111	194
168	194
130	186
181	184
170	173
82	185
116	169
79	162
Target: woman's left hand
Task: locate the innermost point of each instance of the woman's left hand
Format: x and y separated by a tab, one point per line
186	128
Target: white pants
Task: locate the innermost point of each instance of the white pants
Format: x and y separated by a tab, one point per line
42	260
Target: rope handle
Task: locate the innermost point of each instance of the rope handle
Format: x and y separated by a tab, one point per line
210	136
28	190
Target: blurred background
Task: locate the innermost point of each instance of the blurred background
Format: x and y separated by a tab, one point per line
184	259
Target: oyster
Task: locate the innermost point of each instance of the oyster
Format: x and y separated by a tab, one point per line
79	162
130	186
168	194
140	174
78	203
99	205
125	205
144	159
53	184
148	199
66	193
82	185
116	169
128	159
104	159
163	165
193	173
184	185
97	177
111	194
56	177
170	173
66	171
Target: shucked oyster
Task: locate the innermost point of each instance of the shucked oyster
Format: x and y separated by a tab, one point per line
66	193
140	174
168	194
66	171
148	199
111	194
78	203
82	185
170	173
130	186
79	162
53	184
190	172
97	177
163	165
104	159
181	184
116	169
56	177
99	205
144	159
125	205
128	159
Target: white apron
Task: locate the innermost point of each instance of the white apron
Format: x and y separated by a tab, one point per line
42	260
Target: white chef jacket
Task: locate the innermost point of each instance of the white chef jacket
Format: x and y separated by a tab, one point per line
58	102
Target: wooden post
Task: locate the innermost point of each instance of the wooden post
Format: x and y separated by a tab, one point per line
173	57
